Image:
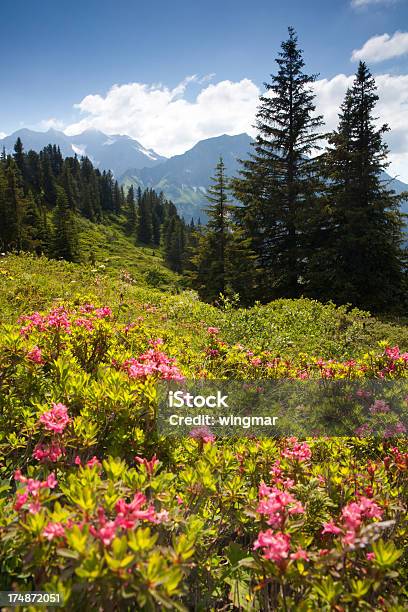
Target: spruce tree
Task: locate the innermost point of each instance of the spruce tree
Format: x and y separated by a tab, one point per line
363	261
19	158
131	212
278	183
175	244
49	187
33	233
145	227
65	229
12	230
222	260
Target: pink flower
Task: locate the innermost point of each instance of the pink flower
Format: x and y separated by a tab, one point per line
35	506
297	451
299	554
106	533
55	419
369	509
213	331
256	361
33	485
102	313
52	452
277	505
395	430
51	481
19	477
149	465
21	499
275	546
379	407
351	515
392	352
93	462
129	513
363	394
202	433
303	375
35	355
349	538
151	363
363	430
77	460
370	556
53	530
330	527
162	517
85	323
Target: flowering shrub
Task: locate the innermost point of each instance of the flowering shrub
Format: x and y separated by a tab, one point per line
95	504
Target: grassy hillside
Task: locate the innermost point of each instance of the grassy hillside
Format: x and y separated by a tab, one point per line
115	252
99	506
133	281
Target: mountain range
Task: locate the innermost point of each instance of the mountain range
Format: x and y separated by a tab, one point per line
116	153
184	178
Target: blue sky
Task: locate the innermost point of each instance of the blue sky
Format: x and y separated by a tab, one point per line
55	54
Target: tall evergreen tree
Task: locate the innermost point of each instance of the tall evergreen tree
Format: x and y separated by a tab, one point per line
49	187
145	227
175	244
362	261
131	212
20	160
223	262
13	215
34	230
278	184
65	230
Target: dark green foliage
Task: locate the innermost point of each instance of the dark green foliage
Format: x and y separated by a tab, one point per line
145	229
278	184
222	263
42	195
131	212
20	159
175	244
65	240
361	260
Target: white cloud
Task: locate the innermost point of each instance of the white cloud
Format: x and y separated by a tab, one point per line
363	3
3	135
164	119
383	47
51	123
392	108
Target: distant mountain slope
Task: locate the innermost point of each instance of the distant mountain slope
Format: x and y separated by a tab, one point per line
116	153
185	178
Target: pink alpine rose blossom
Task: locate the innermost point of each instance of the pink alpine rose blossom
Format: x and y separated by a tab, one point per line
55	419
35	355
54	530
299	554
275	545
213	331
203	433
21	499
